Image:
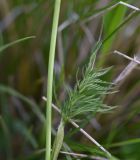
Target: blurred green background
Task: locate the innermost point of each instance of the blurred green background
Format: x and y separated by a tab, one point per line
23	75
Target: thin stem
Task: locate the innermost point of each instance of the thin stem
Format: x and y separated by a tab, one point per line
82	131
89	137
75	155
127	57
83	156
128	69
50	78
110	8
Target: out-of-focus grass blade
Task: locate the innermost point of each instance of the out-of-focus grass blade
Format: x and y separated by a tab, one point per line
126	20
124	143
102	11
112	20
7	137
21	128
2	48
34	107
1	39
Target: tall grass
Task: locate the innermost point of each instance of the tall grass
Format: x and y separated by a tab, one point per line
82	98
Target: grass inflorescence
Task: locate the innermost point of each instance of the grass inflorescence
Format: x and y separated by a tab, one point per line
24	66
87	96
88	93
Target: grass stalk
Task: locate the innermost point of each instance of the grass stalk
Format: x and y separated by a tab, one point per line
50	78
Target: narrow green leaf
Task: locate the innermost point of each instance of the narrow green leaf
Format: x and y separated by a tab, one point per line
112	20
124	143
2	48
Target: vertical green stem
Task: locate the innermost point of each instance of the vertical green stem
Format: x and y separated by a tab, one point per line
50	78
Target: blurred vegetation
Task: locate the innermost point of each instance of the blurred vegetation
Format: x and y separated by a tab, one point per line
24	74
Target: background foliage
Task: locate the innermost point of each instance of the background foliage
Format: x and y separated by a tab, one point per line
24	72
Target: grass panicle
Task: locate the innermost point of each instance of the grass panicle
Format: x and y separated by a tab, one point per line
87	96
88	93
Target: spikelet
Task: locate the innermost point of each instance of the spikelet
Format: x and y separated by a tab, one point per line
88	93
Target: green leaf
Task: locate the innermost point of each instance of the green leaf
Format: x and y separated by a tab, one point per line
2	48
112	20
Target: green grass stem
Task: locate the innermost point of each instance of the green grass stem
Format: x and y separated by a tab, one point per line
50	78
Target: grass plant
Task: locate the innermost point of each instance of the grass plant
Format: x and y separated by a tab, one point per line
86	97
84	131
